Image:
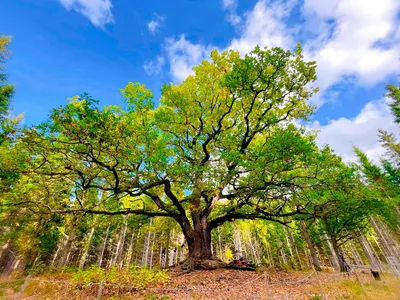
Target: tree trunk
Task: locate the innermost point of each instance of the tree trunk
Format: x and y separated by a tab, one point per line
335	246
152	252
367	251
166	258
237	241
310	245
130	250
338	254
104	246
271	259
219	243
146	248
120	245
199	243
198	238
86	249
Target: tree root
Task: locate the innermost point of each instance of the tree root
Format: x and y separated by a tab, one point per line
192	264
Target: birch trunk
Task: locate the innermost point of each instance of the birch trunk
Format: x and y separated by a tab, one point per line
104	246
129	253
219	243
146	249
152	252
120	246
335	260
86	249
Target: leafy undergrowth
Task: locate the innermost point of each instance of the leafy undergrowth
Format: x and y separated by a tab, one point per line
212	284
137	277
8	287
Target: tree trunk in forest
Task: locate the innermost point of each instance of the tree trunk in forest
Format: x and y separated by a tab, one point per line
4	248
289	246
219	243
66	249
86	249
199	243
356	255
254	248
367	251
135	257
152	252
310	245
7	259
293	241
283	256
128	257
120	245
271	259
166	259
335	246
338	254
104	246
334	260
198	239
146	249
237	241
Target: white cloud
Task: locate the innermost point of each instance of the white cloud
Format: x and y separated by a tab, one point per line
362	131
229	3
183	55
355	38
154	67
155	23
230	6
97	11
265	26
354	42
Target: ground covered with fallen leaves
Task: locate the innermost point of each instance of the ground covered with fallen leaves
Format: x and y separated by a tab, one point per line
219	284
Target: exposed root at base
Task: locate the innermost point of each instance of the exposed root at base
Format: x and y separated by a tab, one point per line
192	264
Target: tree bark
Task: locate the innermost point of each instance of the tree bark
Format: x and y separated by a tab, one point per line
335	246
104	246
199	243
310	245
86	249
338	254
198	238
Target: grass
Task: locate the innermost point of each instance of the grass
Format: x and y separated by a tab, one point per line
72	284
13	285
350	288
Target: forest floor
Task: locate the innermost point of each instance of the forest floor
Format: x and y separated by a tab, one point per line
217	284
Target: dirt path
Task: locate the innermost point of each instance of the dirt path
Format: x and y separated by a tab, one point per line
228	284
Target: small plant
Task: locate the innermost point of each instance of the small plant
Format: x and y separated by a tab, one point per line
134	276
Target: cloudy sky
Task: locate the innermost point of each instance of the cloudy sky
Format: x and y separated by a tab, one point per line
65	47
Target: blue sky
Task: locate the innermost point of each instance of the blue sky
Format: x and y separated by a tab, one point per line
65	47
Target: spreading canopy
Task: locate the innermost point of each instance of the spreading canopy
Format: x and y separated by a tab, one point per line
225	144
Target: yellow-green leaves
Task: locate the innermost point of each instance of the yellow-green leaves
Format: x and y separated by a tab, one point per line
226	129
137	96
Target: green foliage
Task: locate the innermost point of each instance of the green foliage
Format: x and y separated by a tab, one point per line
7	126
137	277
6	90
394	94
14	285
384	179
225	135
221	146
